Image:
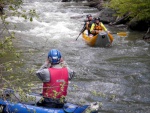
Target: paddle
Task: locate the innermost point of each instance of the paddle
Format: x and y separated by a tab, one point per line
83	29
121	33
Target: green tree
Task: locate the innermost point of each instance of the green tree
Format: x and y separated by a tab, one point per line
139	9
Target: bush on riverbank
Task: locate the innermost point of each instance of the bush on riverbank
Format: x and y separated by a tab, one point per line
138	11
11	73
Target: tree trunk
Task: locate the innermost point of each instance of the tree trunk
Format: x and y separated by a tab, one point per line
122	20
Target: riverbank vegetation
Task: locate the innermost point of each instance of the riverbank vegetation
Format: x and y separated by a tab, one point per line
11	59
137	11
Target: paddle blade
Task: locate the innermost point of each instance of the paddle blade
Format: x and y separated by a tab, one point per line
122	34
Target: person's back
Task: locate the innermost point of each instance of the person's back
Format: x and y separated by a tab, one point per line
56	88
55	78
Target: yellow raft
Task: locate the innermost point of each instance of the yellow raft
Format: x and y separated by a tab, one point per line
103	39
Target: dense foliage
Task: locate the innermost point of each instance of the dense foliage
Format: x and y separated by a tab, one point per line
139	9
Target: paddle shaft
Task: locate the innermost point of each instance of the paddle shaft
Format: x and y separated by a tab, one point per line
83	29
78	36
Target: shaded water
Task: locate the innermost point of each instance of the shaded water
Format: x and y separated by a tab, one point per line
118	77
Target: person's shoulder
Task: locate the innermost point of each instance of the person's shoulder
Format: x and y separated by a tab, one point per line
42	70
92	21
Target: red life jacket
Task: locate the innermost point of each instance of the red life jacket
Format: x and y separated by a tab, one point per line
58	84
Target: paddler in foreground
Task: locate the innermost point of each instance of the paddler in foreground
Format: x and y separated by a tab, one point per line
55	77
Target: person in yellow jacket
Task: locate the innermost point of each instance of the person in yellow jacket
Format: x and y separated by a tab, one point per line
98	27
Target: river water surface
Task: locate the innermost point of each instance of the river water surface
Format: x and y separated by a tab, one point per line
118	77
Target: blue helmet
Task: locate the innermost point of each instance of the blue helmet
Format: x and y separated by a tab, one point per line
54	56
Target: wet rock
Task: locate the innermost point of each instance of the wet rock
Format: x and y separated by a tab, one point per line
135	24
77	17
107	15
121	26
96	3
1	8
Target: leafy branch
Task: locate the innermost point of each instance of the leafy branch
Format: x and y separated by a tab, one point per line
136	8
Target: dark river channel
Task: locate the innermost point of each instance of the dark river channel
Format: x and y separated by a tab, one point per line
117	77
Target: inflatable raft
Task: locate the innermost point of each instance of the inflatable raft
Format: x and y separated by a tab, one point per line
8	106
103	39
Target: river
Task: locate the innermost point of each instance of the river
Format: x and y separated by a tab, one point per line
117	77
